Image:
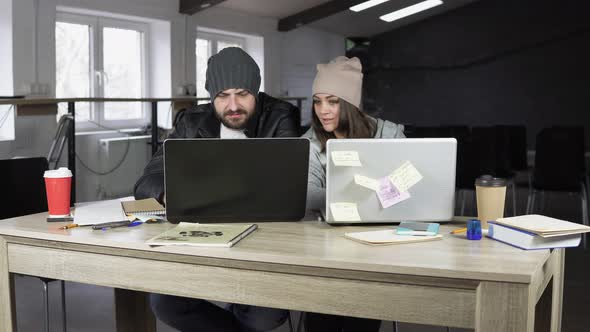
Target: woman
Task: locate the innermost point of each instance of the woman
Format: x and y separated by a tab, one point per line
336	114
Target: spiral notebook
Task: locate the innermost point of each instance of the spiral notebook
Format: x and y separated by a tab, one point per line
143	207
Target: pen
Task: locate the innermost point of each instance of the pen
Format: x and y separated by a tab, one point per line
459	231
111	224
120	224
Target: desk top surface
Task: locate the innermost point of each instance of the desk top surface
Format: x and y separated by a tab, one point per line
309	244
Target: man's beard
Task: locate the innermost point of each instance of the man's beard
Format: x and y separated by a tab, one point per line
233	125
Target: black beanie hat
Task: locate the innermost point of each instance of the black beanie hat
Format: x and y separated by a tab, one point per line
232	68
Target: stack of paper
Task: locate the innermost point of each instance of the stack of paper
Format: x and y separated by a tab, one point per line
91	213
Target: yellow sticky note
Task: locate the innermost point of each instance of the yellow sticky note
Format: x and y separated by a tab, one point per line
346	158
366	182
405	176
345	212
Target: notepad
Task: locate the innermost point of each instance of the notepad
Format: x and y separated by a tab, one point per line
90	213
389	195
346	158
366	182
143	207
203	235
405	177
345	211
388	236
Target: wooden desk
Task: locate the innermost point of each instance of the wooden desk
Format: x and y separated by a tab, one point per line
305	266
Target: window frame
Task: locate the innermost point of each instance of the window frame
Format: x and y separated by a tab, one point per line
97	88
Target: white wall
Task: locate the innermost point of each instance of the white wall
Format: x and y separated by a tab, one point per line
284	55
6	87
232	21
282	52
301	51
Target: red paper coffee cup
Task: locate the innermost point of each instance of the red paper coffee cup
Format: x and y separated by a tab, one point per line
58	184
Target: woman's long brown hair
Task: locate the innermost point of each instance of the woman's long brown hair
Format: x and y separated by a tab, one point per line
353	123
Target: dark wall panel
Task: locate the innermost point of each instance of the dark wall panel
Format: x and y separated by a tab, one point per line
491	62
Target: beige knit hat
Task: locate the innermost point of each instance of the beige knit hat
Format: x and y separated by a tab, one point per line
342	77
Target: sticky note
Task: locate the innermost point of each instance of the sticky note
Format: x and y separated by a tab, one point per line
366	182
405	177
388	194
345	212
346	158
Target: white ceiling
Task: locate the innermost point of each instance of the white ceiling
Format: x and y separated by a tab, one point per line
346	23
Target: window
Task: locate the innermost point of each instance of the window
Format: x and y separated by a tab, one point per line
101	57
208	44
7	122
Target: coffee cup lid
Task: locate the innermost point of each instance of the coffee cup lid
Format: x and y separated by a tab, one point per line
62	172
490	181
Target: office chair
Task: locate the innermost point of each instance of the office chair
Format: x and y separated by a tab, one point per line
59	140
27	196
559	166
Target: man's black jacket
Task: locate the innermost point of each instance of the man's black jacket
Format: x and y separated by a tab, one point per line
273	118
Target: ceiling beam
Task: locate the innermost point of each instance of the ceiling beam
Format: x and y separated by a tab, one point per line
315	13
190	7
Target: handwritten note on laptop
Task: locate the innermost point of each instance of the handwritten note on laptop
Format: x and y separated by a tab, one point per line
346	158
405	177
345	212
388	193
366	182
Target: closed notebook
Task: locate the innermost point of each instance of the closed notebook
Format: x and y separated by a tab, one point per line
143	207
203	235
543	225
528	240
388	236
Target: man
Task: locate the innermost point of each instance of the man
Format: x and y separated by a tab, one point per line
237	110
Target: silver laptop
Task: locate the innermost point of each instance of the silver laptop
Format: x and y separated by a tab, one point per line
431	199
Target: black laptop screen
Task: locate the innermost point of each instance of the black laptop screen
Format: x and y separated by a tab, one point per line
235	180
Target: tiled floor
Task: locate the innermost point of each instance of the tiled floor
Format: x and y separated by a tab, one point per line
90	308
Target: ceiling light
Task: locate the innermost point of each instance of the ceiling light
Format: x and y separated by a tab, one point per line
413	9
366	5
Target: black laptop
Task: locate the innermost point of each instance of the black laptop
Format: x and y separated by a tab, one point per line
235	180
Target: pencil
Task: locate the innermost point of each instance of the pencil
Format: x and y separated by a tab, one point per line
73	226
459	231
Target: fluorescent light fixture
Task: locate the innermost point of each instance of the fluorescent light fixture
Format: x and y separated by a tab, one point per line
366	5
413	9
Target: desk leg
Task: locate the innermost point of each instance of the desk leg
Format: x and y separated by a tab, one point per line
504	307
557	291
133	312
7	307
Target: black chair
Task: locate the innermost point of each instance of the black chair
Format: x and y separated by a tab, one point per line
559	166
24	181
484	151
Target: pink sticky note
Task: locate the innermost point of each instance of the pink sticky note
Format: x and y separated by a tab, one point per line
388	193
